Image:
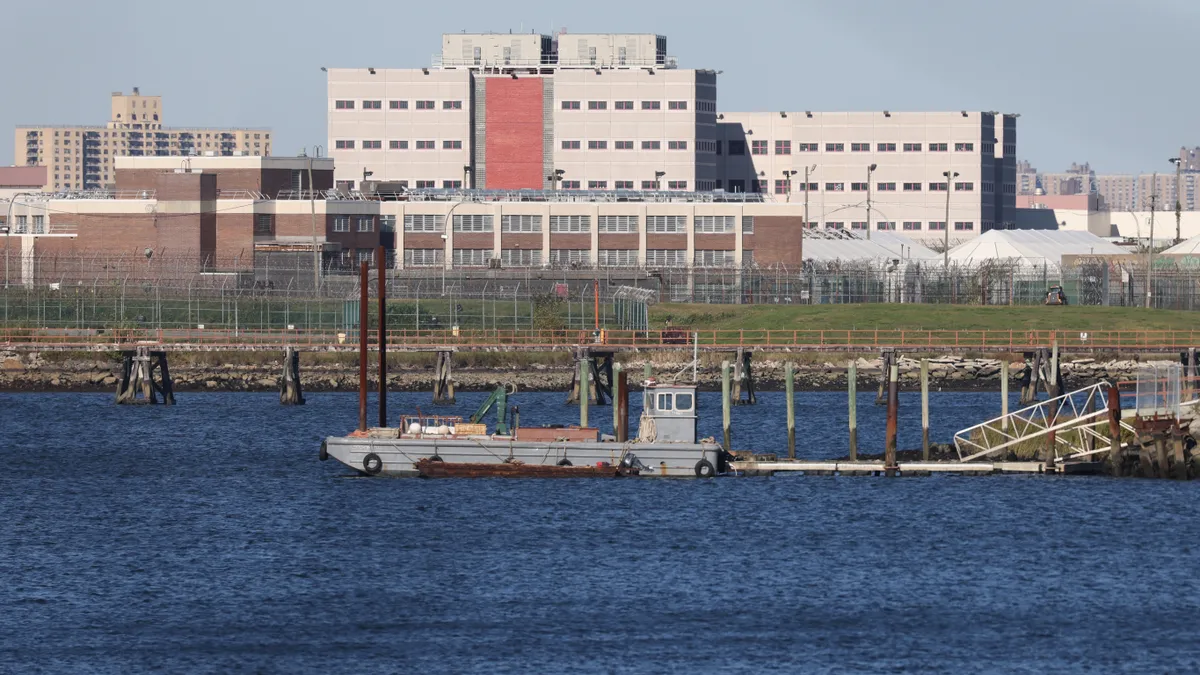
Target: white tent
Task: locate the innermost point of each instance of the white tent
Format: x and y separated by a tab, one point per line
827	245
1031	247
1186	247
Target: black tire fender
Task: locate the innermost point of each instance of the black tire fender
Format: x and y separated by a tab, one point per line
324	452
705	469
564	462
436	458
372	464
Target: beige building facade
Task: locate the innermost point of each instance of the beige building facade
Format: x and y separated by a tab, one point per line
81	157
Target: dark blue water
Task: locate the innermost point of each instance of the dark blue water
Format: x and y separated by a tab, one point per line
207	537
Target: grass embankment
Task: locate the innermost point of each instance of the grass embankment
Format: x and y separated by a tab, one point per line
920	317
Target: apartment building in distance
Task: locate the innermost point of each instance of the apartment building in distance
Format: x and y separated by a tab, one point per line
81	157
616	112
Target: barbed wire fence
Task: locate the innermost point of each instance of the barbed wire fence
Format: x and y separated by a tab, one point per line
279	290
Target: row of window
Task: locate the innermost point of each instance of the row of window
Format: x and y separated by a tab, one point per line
785	147
784	186
362	223
624	105
573	224
423	104
623	145
908	225
349	144
480	257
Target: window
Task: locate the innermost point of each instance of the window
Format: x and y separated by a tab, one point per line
423	222
860	147
343	105
424	105
649	185
597	185
625	184
783	147
570	145
714	258
372	105
569	184
597	105
964	187
666	224
366	224
858	187
343	145
964	147
397	145
669	257
677	145
937	225
1010	149
912	187
651	145
835	147
676	105
471	257
937	187
452	145
617	257
597	145
372	145
782	187
623	105
885	147
423	257
426	184
365	255
988	187
651	105
570	105
912	147
341	223
885	225
912	225
473	223
387	223
885	187
835	187
806	147
717	147
623	145
737	147
426	145
677	185
521	223
747	224
714	224
963	226
937	147
451	105
758	147
570	256
835	226
617	224
451	184
398	105
571	224
521	257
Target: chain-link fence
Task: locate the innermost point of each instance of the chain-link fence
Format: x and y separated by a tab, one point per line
281	289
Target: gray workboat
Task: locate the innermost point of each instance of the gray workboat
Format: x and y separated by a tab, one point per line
665	445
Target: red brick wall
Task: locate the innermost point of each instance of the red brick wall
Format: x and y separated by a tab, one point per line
776	239
473	240
576	241
716	242
529	242
619	241
514	133
666	241
234	240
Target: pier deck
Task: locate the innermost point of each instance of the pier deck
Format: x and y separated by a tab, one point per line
858	468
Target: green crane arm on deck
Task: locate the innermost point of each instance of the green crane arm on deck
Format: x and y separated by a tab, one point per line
499	399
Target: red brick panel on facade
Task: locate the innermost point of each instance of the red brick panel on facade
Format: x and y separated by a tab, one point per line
473	240
571	241
716	242
423	240
514	133
529	242
666	241
618	241
776	240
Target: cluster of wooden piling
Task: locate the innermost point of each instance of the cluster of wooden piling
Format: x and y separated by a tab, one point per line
144	378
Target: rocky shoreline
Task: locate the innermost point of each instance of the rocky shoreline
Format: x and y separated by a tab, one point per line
33	372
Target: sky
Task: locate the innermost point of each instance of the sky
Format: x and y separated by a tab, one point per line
1099	81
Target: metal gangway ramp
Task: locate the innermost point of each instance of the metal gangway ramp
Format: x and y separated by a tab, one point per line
1074	418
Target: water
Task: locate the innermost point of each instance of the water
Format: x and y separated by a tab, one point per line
207	537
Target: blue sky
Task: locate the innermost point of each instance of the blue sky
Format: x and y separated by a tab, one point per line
1102	81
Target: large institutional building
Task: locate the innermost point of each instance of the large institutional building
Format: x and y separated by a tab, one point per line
615	113
81	157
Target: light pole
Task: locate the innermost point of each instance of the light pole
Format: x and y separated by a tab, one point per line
312	202
657	177
787	185
950	176
807	171
870	170
445	240
555	178
1178	162
466	176
1150	245
8	230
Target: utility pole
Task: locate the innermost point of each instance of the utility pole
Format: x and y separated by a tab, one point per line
870	170
804	227
950	176
312	201
1178	162
1150	245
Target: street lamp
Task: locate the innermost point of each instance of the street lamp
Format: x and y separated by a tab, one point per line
466	176
1178	162
555	178
870	170
787	177
312	203
445	259
950	176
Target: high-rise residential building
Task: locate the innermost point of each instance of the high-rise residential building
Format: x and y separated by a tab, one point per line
615	112
80	157
1027	178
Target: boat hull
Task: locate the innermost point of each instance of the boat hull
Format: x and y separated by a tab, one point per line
398	456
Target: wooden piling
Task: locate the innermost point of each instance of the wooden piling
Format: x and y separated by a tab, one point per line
1004	394
289	385
852	388
893	414
925	410
363	281
584	376
1055	390
621	406
725	405
381	267
443	379
616	394
790	387
1114	431
1179	468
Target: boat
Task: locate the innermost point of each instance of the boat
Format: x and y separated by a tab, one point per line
441	446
